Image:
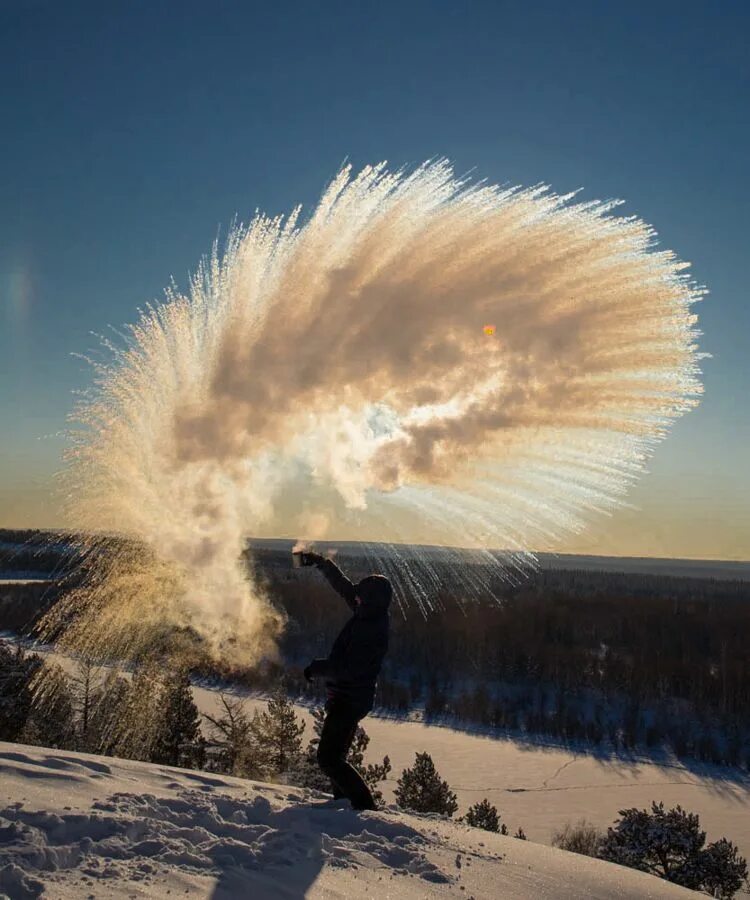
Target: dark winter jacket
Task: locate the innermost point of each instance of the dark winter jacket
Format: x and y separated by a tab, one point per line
353	665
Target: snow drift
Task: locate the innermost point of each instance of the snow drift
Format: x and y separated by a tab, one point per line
73	825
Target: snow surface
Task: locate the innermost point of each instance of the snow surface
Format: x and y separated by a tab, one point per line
80	826
541	787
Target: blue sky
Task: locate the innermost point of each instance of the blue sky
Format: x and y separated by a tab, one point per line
132	132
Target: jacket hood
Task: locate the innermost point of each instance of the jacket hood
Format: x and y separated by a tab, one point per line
375	592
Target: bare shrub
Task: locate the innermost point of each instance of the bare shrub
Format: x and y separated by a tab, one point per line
581	837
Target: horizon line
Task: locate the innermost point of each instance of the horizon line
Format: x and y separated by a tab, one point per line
527	552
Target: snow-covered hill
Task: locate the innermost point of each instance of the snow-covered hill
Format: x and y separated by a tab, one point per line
80	826
542	787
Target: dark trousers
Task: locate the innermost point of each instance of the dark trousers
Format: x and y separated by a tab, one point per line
339	729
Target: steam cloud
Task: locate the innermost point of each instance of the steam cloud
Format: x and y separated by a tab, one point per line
338	371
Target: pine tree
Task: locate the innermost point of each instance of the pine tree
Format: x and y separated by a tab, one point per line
108	708
252	761
659	842
17	668
520	834
136	733
50	722
233	733
159	721
279	734
422	790
670	844
84	683
179	733
307	772
483	815
722	870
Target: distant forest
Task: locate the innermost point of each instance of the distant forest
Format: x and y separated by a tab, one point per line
623	660
613	660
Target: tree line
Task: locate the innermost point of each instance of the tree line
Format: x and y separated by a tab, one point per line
609	659
603	658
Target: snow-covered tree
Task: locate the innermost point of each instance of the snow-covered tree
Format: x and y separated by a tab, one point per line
421	789
670	844
483	815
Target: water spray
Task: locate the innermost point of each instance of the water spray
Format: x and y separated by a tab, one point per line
420	359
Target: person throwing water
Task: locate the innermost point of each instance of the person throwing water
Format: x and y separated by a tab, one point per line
350	671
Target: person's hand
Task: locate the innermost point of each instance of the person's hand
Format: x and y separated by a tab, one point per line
311	559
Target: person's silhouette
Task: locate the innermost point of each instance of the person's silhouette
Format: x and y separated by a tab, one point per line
351	670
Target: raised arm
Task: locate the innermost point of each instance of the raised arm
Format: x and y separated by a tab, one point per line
336	578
